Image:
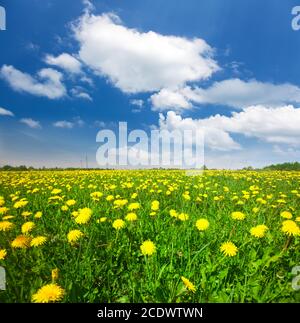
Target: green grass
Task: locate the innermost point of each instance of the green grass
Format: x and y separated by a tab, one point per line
107	265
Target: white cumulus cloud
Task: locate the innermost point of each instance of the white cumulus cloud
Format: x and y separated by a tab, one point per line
216	139
268	124
5	112
47	82
31	123
79	92
77	121
64	61
63	124
235	93
136	61
169	99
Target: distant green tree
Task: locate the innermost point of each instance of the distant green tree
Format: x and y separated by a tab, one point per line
248	168
7	167
284	166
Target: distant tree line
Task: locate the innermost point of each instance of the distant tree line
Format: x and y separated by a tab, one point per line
285	166
21	167
29	168
295	166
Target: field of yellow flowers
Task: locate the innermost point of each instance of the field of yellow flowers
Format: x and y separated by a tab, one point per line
149	236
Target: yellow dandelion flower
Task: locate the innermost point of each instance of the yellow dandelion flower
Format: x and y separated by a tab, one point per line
3	254
129	185
133	206
27	227
54	274
153	213
118	224
109	198
238	215
259	231
56	191
120	203
25	214
83	216
20	204
255	210
297	219
8	217
38	215
38	241
21	242
229	249
56	197
134	195
290	228
173	213
4	210
70	202
103	219
5	225
131	217
96	195
155	205
186	196
261	200
74	235
75	213
148	248
64	208
286	215
48	293
202	224
183	217
189	285
281	201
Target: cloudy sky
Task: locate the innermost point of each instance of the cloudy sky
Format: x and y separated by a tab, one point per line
70	68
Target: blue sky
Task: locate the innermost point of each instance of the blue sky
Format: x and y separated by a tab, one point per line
69	68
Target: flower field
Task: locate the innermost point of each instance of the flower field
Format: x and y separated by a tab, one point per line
149	236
